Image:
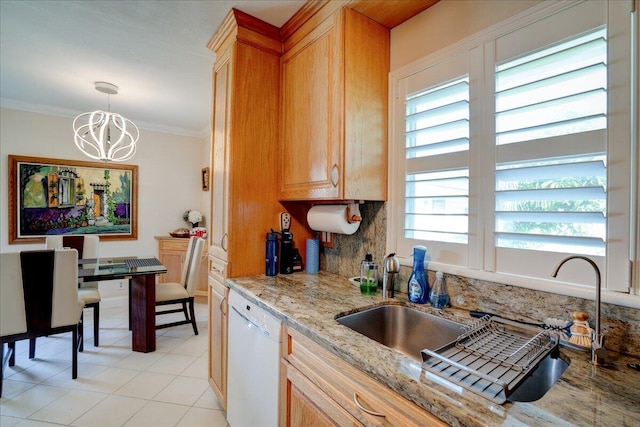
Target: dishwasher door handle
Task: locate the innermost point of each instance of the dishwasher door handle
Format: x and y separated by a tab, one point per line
264	331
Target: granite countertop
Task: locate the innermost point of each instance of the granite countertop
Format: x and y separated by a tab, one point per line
585	395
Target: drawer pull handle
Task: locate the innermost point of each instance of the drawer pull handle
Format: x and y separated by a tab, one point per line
368	411
223	242
222	310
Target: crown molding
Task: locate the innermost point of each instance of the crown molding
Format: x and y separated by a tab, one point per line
13	104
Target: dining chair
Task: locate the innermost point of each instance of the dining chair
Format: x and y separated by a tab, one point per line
183	292
88	247
39	297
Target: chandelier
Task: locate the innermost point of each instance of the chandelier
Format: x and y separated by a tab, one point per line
103	135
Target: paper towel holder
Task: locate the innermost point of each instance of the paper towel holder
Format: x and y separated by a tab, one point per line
353	213
341	217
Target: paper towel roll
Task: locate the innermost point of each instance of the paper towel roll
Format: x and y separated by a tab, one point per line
331	218
313	256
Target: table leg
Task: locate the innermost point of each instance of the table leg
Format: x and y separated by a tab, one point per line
130	307
143	313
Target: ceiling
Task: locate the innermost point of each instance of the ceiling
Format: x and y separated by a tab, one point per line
52	53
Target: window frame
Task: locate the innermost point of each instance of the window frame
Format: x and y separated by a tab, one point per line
481	263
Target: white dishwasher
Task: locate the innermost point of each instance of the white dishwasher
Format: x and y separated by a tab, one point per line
253	365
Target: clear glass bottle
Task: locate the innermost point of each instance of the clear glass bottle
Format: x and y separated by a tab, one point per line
368	276
418	283
439	297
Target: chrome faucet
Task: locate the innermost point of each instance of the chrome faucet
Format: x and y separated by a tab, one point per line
390	267
598	352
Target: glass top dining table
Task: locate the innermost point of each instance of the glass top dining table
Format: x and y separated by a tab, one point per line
141	273
92	269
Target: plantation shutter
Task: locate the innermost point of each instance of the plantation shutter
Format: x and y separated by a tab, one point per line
436	151
559	124
551	185
512	150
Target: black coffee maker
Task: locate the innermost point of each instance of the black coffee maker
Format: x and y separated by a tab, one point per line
296	260
286	253
286	244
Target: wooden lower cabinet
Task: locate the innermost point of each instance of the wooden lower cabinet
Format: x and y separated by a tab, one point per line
306	405
319	389
171	253
218	327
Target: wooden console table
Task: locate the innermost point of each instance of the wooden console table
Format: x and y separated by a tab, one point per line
171	253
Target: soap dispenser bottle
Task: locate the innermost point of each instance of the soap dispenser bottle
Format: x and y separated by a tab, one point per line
368	276
418	284
439	298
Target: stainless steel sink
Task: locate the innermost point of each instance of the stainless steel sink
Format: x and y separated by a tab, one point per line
541	380
409	331
403	329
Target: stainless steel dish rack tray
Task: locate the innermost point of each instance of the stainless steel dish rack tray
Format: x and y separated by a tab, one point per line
491	357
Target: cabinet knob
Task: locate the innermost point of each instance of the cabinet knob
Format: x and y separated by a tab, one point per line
335	175
362	408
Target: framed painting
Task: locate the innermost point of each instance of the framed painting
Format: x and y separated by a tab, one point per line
54	196
205	179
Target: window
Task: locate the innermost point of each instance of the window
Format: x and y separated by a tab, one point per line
516	148
554	200
437	123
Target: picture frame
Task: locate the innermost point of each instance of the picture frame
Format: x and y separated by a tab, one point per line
205	178
55	196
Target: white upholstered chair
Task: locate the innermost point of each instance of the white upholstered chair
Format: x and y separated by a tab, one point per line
88	247
38	297
182	293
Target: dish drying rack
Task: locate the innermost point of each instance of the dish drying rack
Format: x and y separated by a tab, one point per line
491	357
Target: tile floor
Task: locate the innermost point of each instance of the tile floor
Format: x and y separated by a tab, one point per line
115	386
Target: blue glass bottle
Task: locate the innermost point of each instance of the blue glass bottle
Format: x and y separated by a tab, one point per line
418	283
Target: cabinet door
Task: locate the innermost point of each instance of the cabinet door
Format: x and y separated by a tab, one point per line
302	404
220	157
334	110
173	261
201	289
366	400
171	253
218	309
311	126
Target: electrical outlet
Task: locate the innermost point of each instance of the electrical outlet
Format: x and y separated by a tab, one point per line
121	284
326	239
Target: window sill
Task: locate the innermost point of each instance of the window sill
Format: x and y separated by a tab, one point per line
586	292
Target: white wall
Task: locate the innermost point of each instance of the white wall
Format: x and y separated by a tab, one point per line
445	23
168	175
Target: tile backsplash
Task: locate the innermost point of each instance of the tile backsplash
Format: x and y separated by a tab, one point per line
621	325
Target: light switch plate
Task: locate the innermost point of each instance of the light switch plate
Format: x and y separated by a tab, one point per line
285	222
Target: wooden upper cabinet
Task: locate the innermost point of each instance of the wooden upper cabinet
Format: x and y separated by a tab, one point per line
244	200
219	158
333	121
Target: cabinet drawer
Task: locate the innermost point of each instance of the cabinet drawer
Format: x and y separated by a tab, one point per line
218	270
366	399
174	244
